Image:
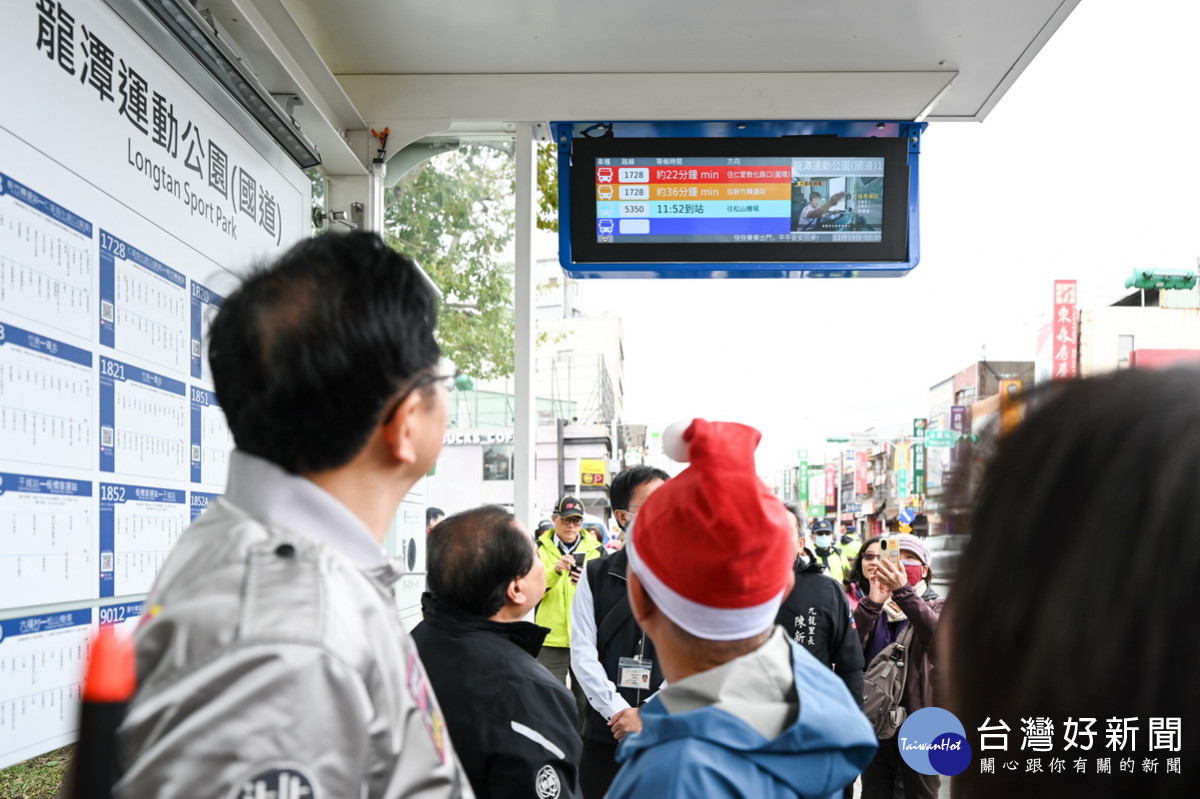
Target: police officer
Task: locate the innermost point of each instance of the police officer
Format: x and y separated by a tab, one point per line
851	544
828	555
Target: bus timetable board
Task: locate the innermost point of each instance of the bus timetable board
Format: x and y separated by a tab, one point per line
130	199
698	206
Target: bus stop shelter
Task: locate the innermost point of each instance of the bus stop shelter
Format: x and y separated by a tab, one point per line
434	74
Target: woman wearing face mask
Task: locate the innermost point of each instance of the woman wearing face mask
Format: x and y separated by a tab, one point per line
899	596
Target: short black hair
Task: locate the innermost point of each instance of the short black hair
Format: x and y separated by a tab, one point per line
816	195
625	483
1109	465
433	513
801	516
474	556
309	350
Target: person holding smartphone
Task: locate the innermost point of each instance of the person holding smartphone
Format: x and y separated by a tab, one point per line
563	551
899	595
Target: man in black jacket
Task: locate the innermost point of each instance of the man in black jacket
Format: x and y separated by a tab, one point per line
610	653
816	614
512	724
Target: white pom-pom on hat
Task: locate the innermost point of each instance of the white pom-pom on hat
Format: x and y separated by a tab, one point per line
673	444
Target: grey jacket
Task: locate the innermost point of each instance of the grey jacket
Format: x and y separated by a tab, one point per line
272	663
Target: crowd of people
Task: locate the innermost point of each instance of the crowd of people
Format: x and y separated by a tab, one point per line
728	647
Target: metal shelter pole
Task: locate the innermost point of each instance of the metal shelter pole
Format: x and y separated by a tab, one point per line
837	519
524	430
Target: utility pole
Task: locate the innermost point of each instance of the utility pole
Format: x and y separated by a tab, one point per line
837	519
560	424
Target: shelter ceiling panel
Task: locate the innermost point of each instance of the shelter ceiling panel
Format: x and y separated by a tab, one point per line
987	43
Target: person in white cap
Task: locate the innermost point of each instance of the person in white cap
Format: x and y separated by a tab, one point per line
746	712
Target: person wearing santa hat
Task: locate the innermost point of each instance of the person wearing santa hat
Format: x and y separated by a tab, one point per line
746	712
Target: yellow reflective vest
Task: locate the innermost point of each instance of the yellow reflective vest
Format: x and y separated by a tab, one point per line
555	609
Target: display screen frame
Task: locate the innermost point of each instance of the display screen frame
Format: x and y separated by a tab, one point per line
582	255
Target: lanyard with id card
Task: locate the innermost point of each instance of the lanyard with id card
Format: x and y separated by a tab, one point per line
634	673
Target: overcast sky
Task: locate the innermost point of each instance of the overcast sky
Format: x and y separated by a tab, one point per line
1085	170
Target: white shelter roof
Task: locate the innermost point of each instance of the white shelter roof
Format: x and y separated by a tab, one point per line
426	67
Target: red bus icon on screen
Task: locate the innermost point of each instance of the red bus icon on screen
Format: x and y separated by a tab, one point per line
604	174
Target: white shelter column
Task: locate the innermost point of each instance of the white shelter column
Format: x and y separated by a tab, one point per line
524	431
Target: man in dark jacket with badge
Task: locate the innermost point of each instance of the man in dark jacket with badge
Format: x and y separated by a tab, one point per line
610	653
512	722
816	614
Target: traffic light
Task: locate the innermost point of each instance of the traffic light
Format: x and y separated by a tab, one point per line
1161	279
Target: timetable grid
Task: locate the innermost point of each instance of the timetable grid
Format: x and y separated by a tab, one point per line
45	270
47	409
138	527
143	423
41	675
144	307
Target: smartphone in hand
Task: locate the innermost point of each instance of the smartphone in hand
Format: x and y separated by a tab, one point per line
890	549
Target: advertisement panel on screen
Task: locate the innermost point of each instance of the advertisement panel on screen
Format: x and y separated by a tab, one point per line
751	204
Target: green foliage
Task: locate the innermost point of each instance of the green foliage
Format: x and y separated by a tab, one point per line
547	184
320	189
38	778
454	214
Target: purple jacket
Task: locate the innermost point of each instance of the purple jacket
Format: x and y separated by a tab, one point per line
923	613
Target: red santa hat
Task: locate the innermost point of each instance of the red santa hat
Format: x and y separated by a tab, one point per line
713	547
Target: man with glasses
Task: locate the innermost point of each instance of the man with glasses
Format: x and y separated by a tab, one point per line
563	551
271	659
610	653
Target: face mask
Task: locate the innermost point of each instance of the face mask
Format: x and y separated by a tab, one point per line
913	572
823	541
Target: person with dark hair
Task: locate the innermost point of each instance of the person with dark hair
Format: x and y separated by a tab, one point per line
271	659
898	597
817	207
816	613
604	635
512	723
432	517
1061	612
746	712
595	532
855	582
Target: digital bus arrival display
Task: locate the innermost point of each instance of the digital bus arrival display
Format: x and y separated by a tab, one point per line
741	199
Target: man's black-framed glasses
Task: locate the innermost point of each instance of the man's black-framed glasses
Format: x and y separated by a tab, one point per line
446	371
